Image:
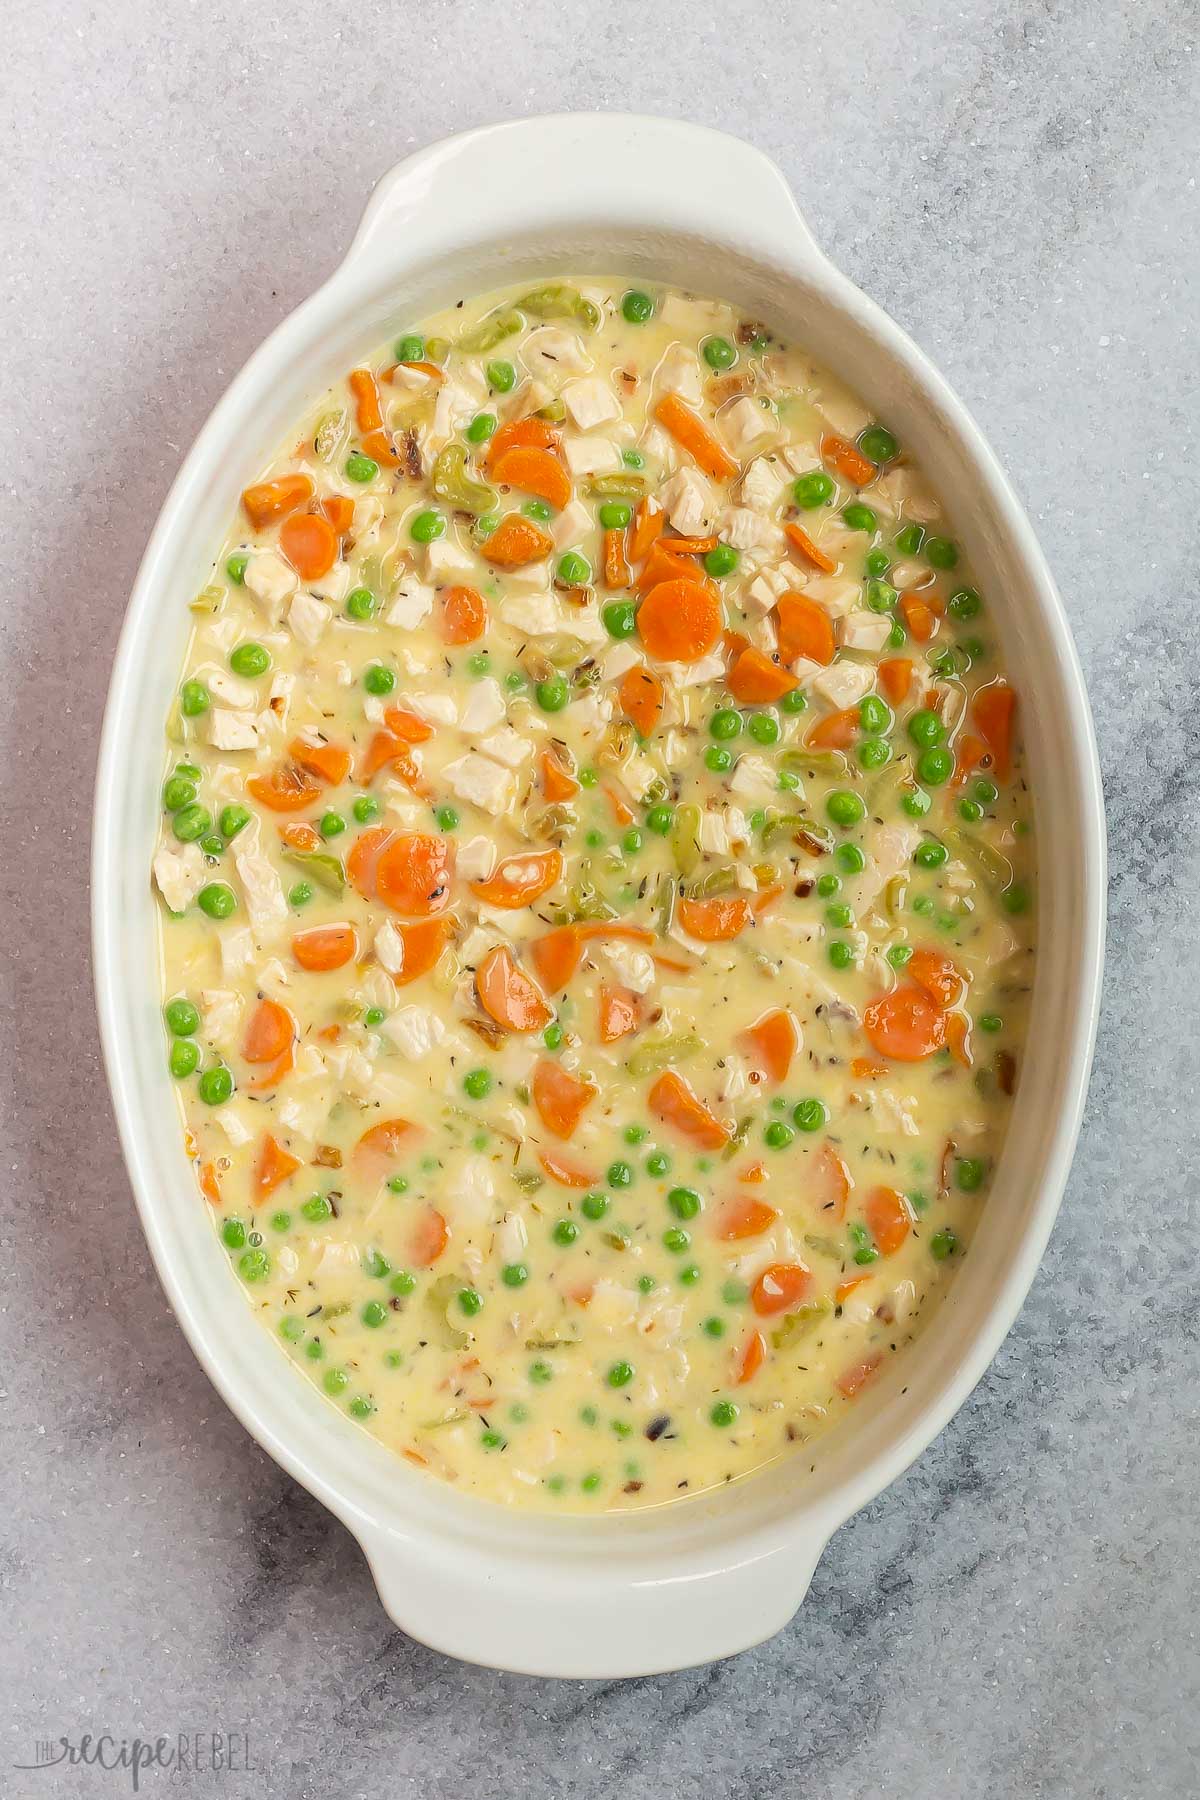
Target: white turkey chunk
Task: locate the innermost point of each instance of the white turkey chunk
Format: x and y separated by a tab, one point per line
706	668
837	595
633	967
679	373
745	424
476	859
481	782
414	1030
748	530
232	730
236	1132
279	696
237	950
862	630
270	580
226	689
550	350
762	483
412	605
308	617
483	708
507	746
571	526
220	1016
265	899
512	1238
180	872
689	503
714	835
618	661
639	775
389	948
591	402
592	455
447	561
435	709
754	778
889	852
844	683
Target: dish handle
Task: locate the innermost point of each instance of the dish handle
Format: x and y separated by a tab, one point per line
585	171
588	1616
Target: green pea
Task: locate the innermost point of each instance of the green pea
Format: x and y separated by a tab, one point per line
365	808
763	727
991	1022
183	1057
839	916
182	1017
637	307
215	1085
676	1240
301	894
233	818
633	459
574	570
986	792
620	1375
718	759
896	635
191	822
403	1283
965	603
723	1414
485	524
479	663
689	1275
477	1085
971	811
552	1037
850	858
725	724
335	1381
787	781
292	1329
874	753
620	1174
684	1202
859	517
213	845
881	596
553	694
875	715
829	884
250	660
926	729
217	899
501	376
427	526
935	766
940	553
845	808
632	841
374	1015
360	1407
969	1172
615	515
877	562
810	1115
659	819
718	353
565	1232
942	1244
812	490
194	699
378	679
841	954
254	1265
594	1206
909	539
481	428
917	803
930	854
658	1163
470	1302
794	701
923	905
878	444
1016	898
898	955
620	618
722	560
410	348
374	1314
177	793
447	818
332	824
360	604
236	567
777	1135
361	468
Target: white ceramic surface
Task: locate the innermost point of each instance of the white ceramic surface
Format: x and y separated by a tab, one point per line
655	201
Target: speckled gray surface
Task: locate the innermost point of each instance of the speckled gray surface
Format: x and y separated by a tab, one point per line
1015	181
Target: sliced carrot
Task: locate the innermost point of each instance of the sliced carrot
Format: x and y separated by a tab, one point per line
832	1183
811	552
619	1012
621	810
268	501
298	836
515	542
970	753
805	629
560	1097
755	680
662	564
689	546
779	1288
520	434
210	1187
363	861
556	956
648	523
617	573
385	1142
680	621
905	1025
413	874
558	783
339	510
889	1219
273	1073
462	615
756	1172
534	471
428	369
423	944
520	880
772	1043
273	1167
565	1173
958	1039
751	1358
270	1030
506	993
732	645
641	696
366	400
672	1101
920	620
310	544
715	921
836	731
694	436
325	947
994	710
844	1289
427	1237
407	725
851	1380
329	763
895	677
939	975
383	750
744	1217
284	790
866	1068
847	459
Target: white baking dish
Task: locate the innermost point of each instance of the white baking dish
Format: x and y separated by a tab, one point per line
636	1594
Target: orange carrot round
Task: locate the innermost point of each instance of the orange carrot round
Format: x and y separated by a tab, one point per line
994	710
805	629
310	544
520	880
672	1101
567	1175
751	1359
268	501
423	944
384	1142
506	993
363	861
938	974
779	1288
284	790
462	615
533	471
800	540
556	956
273	1167
619	1012
680	621
515	542
689	430
715	921
328	763
847	459
522	434
920	619
755	680
413	874
889	1219
836	731
558	783
325	947
744	1217
641	696
270	1031
560	1097
772	1043
905	1025
427	1237
895	678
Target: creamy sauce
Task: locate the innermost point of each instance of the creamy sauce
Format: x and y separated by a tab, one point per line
596	964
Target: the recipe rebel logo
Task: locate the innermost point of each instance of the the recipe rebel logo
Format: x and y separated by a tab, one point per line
215	1753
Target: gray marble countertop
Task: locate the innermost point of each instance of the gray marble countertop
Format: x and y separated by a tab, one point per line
1015	181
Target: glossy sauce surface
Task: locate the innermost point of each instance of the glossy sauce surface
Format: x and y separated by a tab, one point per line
596	925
